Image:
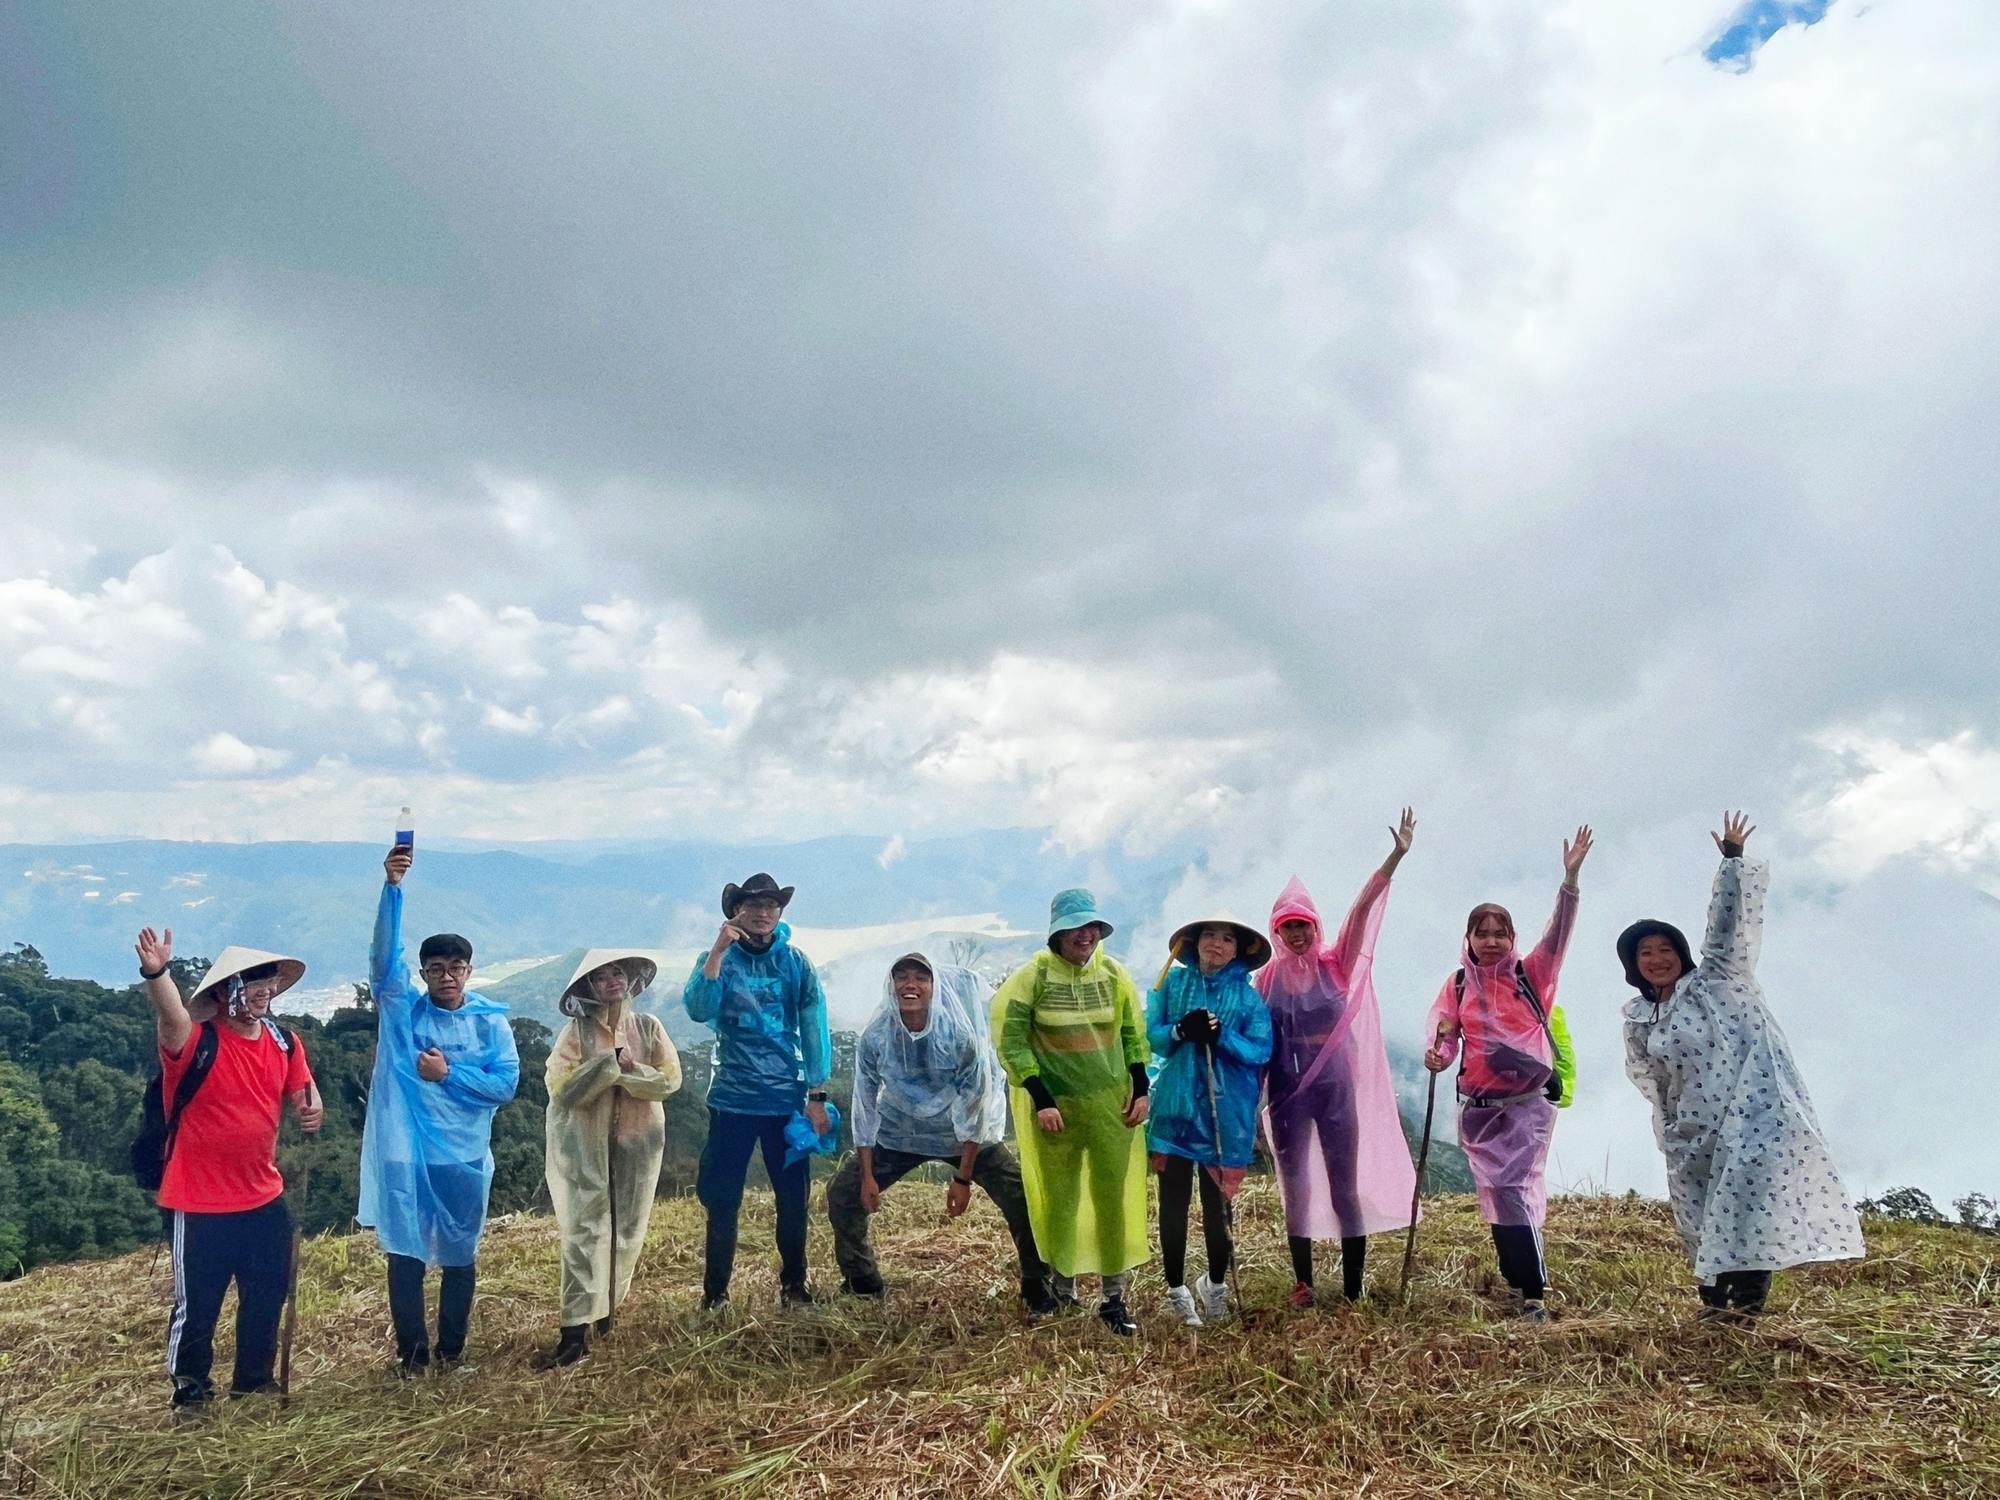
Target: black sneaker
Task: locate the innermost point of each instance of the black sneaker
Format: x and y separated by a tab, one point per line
715	1302
413	1364
1117	1317
1040	1303
796	1295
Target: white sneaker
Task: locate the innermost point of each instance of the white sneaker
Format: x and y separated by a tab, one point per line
1180	1302
1214	1299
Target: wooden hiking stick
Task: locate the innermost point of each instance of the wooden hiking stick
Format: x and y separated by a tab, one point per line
1416	1195
611	1199
292	1293
1228	1203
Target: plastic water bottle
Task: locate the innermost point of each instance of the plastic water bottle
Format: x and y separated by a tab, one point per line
406	831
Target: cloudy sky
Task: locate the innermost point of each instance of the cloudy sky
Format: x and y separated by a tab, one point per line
1211	421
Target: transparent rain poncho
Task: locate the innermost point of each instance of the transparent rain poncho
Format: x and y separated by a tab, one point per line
1185	1115
606	1133
1080	1030
927	1092
1749	1173
426	1148
1508	1058
1344	1167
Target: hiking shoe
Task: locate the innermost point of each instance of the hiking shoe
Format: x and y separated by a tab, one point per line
873	1288
1180	1302
1302	1296
1041	1305
1214	1298
716	1303
572	1348
1117	1317
798	1295
1532	1312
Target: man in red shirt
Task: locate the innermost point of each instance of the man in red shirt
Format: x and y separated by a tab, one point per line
222	1182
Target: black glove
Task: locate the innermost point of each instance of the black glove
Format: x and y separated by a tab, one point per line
1554	1088
1193	1027
1731	849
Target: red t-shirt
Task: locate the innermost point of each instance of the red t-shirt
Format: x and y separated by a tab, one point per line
224	1158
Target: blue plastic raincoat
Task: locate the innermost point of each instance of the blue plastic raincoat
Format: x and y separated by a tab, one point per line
771	1036
426	1149
1183	1121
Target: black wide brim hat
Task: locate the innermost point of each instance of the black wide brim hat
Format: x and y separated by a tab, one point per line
1638	932
760	884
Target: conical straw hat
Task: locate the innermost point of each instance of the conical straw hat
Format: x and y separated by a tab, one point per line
642	967
233	961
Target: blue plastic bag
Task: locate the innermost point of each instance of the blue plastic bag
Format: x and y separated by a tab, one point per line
801	1140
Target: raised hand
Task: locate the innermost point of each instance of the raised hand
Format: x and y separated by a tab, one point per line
397	865
155	950
1736	829
1404	833
1575	852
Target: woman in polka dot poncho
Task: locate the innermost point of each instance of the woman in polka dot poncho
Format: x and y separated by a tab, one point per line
1753	1185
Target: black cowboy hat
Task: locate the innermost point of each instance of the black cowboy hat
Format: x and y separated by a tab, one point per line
760	884
1628	950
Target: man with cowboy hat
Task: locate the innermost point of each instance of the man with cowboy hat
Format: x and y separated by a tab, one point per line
609	1073
226	1070
1073	1040
444	1063
773	1052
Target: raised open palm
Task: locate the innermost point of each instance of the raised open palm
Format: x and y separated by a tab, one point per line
1736	829
1405	832
155	949
1575	851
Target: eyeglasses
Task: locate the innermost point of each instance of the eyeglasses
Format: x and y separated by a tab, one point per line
457	969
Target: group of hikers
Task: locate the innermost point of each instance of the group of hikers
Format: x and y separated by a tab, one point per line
1247	1034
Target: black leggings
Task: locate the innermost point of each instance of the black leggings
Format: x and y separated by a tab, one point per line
1176	1191
1520	1249
1743	1290
1353	1260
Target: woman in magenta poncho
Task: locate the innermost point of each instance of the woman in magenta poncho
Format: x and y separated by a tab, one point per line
1508	1080
1344	1168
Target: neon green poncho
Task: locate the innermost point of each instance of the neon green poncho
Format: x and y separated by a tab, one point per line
1079	1030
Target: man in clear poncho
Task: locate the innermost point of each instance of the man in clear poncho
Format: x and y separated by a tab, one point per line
444	1064
1073	1040
927	1087
609	1073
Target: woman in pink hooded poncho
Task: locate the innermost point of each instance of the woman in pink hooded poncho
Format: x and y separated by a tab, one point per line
1508	1083
1344	1168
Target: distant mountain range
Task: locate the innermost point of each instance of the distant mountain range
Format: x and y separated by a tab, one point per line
80	904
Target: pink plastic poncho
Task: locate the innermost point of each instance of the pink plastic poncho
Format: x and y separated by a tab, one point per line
1507	1055
1344	1167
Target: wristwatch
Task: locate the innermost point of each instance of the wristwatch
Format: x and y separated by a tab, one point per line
816	1096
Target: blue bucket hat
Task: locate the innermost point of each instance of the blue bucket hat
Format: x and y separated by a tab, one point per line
1074	908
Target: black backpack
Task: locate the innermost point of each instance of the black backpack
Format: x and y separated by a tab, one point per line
157	1129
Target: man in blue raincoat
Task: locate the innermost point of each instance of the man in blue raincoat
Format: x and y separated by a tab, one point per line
444	1062
773	1052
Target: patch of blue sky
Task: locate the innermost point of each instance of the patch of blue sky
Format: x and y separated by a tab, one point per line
1755	23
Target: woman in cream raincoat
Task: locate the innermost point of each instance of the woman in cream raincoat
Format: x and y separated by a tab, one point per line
608	1073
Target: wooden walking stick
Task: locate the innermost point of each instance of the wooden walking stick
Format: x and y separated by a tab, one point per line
292	1293
1228	1199
611	1198
1416	1195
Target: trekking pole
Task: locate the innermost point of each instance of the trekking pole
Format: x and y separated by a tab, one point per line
611	1198
1417	1193
1228	1203
292	1292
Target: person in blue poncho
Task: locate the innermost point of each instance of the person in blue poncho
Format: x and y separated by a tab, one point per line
1212	1032
772	1056
444	1062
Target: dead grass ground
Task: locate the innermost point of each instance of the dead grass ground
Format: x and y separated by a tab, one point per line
1876	1379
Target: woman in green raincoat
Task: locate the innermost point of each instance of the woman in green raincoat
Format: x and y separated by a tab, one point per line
608	1073
1073	1040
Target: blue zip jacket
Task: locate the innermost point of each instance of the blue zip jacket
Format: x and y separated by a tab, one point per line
771	1036
1182	1122
426	1148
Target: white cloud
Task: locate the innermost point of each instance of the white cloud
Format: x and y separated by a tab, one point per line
223	754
